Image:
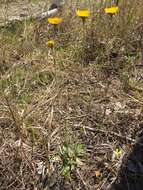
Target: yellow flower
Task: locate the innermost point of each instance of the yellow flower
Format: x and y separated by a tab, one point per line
50	43
83	13
55	20
111	10
117	153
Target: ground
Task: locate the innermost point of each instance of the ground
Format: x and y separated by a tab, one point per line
15	9
68	114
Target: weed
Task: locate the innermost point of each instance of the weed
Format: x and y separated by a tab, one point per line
72	157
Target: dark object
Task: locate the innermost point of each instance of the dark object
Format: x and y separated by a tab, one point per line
131	173
55	5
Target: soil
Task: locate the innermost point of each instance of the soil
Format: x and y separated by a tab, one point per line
16	9
102	120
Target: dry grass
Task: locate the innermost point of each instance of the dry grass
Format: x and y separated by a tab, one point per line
74	105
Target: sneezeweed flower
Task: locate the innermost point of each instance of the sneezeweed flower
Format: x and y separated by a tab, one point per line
55	20
111	10
50	43
83	14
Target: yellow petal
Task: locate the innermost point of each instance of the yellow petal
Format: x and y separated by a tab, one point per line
111	10
83	13
55	20
50	43
117	153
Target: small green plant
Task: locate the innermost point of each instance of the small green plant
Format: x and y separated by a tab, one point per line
72	157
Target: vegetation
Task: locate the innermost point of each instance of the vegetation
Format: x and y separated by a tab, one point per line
71	96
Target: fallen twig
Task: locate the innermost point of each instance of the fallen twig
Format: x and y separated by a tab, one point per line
39	17
110	133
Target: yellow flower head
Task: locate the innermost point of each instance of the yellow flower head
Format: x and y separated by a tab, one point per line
50	43
117	153
83	13
111	10
55	20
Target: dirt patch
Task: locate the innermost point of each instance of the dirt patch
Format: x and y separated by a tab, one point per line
15	10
